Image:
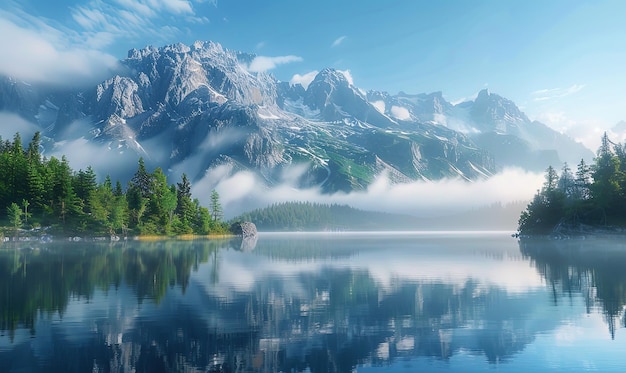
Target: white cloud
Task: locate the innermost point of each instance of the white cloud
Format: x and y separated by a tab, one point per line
338	41
90	18
305	79
134	20
553	93
379	105
588	132
99	40
42	51
198	20
347	75
82	153
465	99
41	54
136	7
12	124
242	192
264	63
176	6
149	8
400	112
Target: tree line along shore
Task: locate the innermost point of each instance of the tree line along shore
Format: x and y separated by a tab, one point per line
41	195
590	200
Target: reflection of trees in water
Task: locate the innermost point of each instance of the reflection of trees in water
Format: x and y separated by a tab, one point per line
324	320
593	267
44	279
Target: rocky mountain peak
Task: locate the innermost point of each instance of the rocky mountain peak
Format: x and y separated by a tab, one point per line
493	112
195	107
331	76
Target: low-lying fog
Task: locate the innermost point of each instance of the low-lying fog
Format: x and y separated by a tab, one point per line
243	191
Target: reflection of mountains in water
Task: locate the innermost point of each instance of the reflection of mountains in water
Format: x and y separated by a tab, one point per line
327	319
591	267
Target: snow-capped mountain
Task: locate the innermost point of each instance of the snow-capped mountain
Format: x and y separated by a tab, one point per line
198	108
493	123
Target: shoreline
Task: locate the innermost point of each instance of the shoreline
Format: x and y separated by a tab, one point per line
46	238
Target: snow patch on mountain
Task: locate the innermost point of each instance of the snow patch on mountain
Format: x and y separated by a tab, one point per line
200	107
299	108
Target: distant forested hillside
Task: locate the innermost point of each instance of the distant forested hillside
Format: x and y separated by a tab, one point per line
306	216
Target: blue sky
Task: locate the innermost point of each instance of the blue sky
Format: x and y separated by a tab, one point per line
562	61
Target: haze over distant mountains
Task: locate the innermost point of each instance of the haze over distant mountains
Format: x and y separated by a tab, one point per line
200	108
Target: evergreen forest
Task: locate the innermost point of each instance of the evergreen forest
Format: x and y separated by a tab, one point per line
37	192
307	216
591	197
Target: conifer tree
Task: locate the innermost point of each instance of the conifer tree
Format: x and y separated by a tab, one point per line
162	201
583	180
184	206
216	206
605	188
32	153
14	212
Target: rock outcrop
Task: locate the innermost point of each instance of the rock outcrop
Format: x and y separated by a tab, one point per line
248	233
244	229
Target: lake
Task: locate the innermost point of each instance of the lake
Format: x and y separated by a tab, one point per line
340	302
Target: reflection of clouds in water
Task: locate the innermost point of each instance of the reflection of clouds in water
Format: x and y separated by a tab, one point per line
384	261
241	272
428	295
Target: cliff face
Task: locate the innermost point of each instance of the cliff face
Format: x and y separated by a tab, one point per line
196	108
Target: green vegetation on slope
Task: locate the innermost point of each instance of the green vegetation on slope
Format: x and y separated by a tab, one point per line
40	192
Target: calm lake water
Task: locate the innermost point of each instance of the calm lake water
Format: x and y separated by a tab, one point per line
376	302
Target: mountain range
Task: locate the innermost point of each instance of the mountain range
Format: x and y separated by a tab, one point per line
193	109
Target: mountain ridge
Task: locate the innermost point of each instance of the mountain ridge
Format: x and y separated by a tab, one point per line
190	109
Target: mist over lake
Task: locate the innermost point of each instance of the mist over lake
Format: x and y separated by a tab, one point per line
365	302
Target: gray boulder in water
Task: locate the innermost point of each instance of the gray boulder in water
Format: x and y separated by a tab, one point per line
244	229
248	233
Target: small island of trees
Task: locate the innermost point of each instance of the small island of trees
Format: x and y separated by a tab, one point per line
37	192
591	198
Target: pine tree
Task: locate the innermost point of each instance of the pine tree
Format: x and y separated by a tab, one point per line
162	202
142	180
605	189
184	206
583	180
216	207
14	212
32	153
138	195
84	182
118	192
566	183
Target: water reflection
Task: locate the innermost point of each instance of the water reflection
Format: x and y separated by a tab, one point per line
593	268
294	303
